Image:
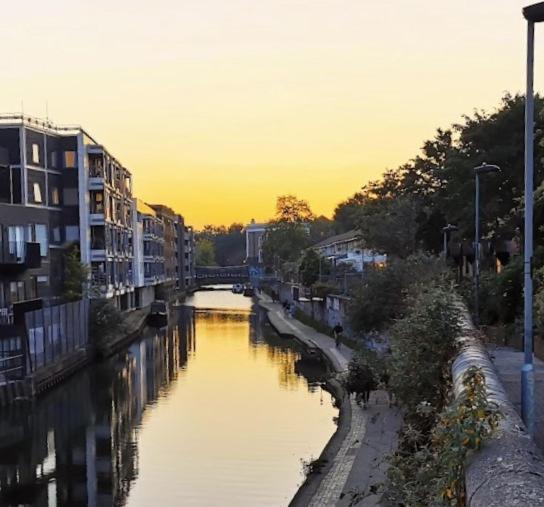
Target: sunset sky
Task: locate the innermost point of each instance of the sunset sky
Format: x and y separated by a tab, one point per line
219	106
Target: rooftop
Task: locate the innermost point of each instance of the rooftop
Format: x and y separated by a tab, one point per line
339	238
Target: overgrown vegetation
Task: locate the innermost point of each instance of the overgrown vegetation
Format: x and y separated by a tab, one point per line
105	320
76	275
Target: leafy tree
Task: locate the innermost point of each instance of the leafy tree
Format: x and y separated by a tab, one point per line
309	268
290	209
288	234
205	253
228	243
76	275
105	320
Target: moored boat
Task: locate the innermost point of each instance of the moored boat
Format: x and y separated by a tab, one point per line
158	314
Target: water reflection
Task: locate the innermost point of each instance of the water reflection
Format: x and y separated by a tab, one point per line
156	423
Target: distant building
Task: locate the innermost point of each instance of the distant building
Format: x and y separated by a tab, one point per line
255	234
348	249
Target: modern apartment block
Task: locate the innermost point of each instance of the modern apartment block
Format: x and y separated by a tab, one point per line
60	188
39	207
107	235
172	246
189	267
149	267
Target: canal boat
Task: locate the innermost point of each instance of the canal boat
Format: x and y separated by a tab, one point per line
249	291
158	314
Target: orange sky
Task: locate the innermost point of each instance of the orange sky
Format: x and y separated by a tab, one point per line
218	107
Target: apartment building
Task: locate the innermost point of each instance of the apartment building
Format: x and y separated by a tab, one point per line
39	207
149	264
60	188
107	235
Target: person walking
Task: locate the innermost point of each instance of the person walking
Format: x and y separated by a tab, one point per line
337	331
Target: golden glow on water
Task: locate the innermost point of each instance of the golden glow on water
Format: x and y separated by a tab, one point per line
235	425
215	410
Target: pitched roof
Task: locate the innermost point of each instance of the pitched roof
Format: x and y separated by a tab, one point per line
339	238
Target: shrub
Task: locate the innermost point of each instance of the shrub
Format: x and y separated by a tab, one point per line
105	320
422	343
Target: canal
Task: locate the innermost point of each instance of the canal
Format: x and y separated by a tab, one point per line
215	410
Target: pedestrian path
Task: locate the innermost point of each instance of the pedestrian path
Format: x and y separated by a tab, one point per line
508	363
359	462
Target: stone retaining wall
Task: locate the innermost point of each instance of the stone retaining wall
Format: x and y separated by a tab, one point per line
509	469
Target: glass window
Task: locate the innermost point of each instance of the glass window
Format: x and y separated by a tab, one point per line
35	154
37	192
5	185
16	241
69	159
53	160
70	197
54	189
17	196
72	233
55	235
13	292
42	284
20	290
36	187
37	233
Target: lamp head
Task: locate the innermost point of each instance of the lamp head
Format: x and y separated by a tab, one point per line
487	168
534	13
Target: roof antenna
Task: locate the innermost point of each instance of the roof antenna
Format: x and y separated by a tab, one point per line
22	108
46	110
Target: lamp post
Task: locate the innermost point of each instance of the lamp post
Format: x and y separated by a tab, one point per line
446	230
533	14
478	171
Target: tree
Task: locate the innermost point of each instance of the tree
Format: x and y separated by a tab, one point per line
288	234
290	209
76	275
205	253
309	267
228	243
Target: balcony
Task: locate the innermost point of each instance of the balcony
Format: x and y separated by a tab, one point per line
17	256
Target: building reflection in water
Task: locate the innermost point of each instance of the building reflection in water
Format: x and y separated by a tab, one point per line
77	446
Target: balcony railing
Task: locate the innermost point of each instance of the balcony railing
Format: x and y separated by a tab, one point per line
20	254
96	172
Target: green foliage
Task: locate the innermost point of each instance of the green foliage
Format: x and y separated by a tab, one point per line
364	372
105	320
422	343
229	244
382	296
323	289
288	234
429	466
439	182
389	226
205	253
76	275
309	268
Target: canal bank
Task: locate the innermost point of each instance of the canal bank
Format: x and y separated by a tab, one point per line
353	463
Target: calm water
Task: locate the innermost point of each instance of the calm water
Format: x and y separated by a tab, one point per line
216	410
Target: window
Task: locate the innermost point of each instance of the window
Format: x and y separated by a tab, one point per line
16	241
72	233
69	159
5	185
37	233
53	160
35	154
41	284
97	202
54	189
36	187
55	237
37	198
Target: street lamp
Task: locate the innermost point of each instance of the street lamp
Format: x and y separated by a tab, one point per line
446	230
533	14
480	170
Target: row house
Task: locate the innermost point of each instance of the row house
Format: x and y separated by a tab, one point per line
348	249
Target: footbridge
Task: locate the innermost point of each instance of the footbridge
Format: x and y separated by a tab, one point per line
210	275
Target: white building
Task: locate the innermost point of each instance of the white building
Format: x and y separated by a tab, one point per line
255	234
348	249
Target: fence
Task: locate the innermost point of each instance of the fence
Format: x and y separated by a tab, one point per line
56	331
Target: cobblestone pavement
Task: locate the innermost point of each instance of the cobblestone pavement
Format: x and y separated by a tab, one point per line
361	458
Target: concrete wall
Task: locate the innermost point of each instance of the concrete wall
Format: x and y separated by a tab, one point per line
509	469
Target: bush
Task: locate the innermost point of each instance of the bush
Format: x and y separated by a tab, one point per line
429	468
382	296
105	320
422	343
